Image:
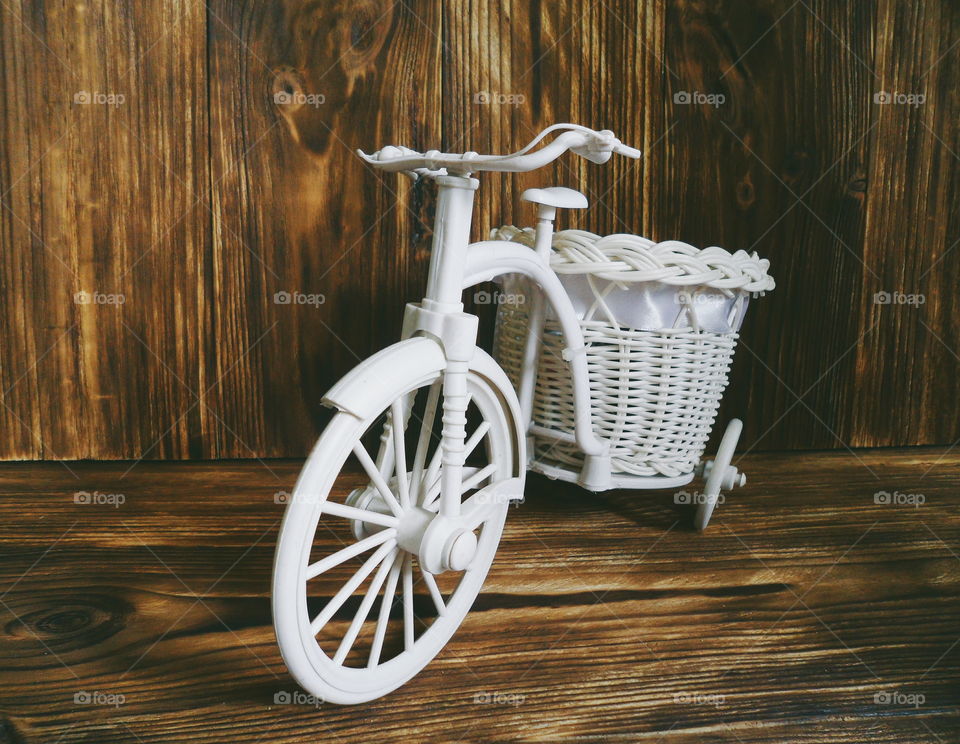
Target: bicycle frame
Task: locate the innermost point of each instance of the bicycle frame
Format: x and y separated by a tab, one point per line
455	265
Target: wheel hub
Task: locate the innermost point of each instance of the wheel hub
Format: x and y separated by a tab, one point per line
732	478
460	549
446	545
440	543
369	500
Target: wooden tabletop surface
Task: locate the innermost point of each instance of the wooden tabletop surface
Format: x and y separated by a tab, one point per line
806	613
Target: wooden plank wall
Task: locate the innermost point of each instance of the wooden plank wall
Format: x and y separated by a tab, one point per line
225	176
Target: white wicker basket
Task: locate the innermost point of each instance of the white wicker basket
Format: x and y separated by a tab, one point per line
660	323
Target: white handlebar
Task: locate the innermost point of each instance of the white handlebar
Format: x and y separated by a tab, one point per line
595	146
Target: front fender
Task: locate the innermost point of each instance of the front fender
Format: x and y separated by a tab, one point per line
486	366
371	386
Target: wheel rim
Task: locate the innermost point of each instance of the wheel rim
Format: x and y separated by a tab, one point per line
340	637
711	489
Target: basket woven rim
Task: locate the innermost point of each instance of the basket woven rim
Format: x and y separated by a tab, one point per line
623	257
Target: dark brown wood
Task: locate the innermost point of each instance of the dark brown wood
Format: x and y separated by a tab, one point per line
296	211
202	196
803	601
913	226
782	163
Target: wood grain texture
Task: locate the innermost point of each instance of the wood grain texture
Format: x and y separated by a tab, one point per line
913	205
782	155
204	195
102	157
295	211
606	618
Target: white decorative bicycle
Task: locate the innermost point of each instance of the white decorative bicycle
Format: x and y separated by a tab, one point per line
613	354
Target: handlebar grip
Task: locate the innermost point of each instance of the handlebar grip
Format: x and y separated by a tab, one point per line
627	151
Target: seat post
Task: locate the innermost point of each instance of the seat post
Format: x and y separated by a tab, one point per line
544	232
547	201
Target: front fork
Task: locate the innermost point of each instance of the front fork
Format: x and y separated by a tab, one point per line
441	316
457	333
455	401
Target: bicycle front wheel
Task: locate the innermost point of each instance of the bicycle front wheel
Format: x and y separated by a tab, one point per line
355	612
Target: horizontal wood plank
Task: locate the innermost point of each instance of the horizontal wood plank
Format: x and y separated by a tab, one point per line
604	617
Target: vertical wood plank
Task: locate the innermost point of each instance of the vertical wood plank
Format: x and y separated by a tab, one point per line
107	152
775	163
295	89
909	373
20	412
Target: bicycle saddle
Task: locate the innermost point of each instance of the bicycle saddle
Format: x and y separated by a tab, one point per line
556	196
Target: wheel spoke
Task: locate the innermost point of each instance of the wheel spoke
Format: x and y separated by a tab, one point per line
430	496
385	450
369	598
433	473
426	430
374	474
361	515
430	482
384	617
475	438
432	493
408	602
337	600
478	477
434	591
335	559
468	483
400	452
